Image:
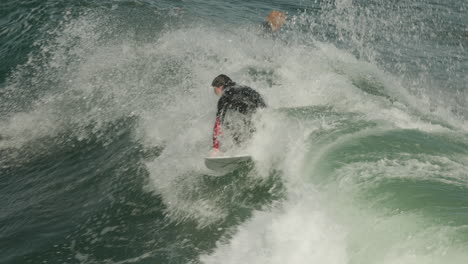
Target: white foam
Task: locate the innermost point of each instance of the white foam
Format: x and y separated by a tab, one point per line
299	232
446	170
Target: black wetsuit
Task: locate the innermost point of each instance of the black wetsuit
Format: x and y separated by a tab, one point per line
238	99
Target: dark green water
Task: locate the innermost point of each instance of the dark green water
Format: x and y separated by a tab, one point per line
107	110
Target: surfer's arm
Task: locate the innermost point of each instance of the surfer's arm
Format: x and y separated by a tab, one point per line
216	133
222	105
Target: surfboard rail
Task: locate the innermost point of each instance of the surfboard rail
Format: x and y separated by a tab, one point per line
223	163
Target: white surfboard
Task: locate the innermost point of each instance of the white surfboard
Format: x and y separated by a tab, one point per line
226	163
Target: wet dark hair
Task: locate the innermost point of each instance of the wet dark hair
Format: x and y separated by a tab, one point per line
222	80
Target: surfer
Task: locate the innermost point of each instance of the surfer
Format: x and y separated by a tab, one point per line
236	106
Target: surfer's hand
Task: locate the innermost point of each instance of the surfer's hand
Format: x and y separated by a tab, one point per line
214	152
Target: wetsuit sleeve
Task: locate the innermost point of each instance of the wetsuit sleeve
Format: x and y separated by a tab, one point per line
216	133
222	105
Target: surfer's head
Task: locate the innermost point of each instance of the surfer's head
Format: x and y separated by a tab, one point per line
220	82
275	20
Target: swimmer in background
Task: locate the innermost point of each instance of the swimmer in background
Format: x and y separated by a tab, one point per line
273	21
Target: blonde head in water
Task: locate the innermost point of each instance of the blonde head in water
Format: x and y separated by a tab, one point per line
275	20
